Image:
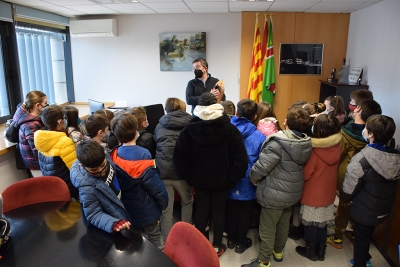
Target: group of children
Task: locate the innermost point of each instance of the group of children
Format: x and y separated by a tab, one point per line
231	156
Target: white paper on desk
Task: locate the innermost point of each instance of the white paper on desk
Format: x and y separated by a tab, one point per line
354	74
121	104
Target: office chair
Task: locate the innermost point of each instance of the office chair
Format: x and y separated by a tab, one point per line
186	246
154	113
36	196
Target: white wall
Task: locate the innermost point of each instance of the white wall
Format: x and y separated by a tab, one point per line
373	43
127	67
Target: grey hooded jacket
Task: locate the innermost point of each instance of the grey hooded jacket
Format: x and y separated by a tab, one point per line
278	172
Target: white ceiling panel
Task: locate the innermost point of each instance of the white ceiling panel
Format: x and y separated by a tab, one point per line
158	1
172	11
291	6
250	6
206	1
138	11
302	1
69	2
122	7
209	5
173	5
333	7
359	7
84	8
105	12
213	10
31	3
344	1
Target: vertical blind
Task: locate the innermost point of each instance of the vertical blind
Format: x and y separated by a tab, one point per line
42	64
4	108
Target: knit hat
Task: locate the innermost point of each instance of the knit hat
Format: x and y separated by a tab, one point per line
209	112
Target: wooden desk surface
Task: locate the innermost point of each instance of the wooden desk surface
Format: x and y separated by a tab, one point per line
83	108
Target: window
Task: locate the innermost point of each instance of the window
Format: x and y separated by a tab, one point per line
4	106
42	62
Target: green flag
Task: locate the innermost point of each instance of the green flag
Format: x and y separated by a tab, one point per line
268	92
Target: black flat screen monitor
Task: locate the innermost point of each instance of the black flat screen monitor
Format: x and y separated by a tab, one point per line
95	105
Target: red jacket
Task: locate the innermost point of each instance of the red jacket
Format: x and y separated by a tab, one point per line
320	172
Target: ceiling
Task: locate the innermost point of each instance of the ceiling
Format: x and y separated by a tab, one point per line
74	8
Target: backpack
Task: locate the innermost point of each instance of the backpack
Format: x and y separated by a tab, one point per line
12	131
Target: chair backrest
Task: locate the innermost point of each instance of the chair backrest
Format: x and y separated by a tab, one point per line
154	113
33	191
186	246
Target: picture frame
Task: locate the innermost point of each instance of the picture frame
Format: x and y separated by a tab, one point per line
179	50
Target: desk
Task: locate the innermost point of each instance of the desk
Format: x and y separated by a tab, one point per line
64	238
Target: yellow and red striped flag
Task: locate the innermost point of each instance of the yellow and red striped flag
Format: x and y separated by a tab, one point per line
255	87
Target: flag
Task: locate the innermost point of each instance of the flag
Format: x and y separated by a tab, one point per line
254	89
268	91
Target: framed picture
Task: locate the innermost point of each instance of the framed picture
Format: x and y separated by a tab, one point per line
303	59
178	50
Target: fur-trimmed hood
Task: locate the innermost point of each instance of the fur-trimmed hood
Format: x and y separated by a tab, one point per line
325	148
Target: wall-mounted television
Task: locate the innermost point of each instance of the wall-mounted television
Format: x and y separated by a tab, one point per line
303	59
95	105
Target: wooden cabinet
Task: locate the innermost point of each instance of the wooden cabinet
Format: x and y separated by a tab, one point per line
341	89
386	236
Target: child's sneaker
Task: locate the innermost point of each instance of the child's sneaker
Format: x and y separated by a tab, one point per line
231	244
241	248
277	256
368	263
256	263
220	250
336	243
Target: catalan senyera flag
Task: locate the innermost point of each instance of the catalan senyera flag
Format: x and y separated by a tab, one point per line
255	87
268	91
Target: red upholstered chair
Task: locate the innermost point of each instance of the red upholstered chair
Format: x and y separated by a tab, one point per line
187	247
43	191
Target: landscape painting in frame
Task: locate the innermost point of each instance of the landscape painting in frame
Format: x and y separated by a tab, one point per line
178	50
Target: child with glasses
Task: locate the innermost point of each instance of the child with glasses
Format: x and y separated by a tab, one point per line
95	176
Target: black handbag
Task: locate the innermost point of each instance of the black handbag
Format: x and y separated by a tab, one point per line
12	131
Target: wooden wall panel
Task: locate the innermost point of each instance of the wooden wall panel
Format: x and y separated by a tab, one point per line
329	29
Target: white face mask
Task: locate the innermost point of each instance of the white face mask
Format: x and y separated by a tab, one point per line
65	124
365	138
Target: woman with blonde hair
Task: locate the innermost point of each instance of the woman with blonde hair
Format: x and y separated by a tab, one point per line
166	133
28	120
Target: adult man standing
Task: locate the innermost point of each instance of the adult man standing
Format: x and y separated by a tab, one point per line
202	83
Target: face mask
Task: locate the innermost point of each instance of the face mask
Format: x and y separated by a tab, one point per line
352	107
198	73
103	177
365	138
65	124
312	129
79	121
105	138
326	112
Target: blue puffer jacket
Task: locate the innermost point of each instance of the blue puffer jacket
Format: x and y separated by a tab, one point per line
253	140
28	125
143	193
100	204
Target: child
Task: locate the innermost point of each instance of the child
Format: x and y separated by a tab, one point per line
210	155
335	106
239	206
371	184
110	138
97	128
56	149
145	140
266	121
144	195
73	129
319	186
95	175
229	108
313	110
166	134
278	174
355	99
352	142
